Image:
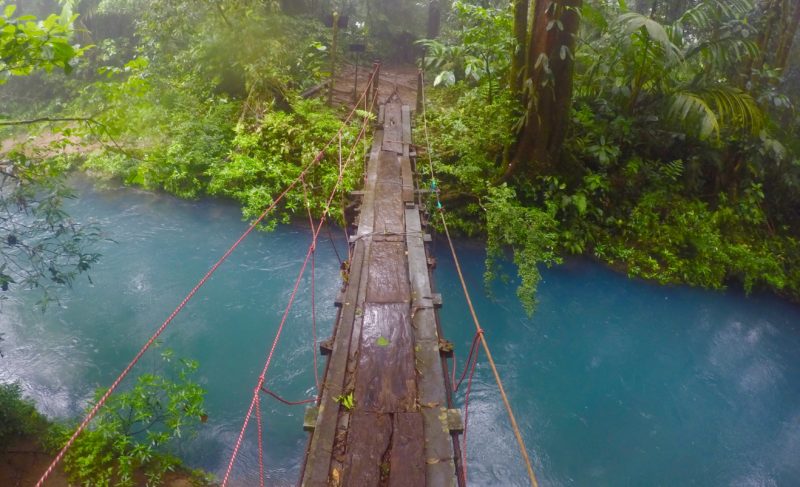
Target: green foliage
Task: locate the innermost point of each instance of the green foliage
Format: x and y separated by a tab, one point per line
18	416
531	233
265	159
346	400
676	167
133	432
474	50
675	240
43	247
468	140
28	44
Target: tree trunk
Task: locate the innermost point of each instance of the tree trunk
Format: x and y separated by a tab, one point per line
676	9
515	80
550	68
434	18
787	37
769	23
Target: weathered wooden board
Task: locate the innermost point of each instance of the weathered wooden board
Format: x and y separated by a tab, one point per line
440	466
321	448
385	379
407	178
406	115
393	129
388	274
367	218
388	167
407	467
368	440
389	213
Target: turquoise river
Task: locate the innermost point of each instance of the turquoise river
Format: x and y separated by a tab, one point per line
615	382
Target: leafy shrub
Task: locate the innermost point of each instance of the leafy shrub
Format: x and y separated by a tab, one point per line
18	416
264	160
133	432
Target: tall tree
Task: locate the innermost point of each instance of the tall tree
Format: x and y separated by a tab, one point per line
791	23
516	80
434	18
548	78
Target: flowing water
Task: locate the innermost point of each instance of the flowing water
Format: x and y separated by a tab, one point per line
614	382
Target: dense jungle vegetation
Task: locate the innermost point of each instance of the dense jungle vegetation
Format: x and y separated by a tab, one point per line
659	137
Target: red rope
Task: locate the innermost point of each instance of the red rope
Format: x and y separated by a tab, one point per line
466	414
93	412
288	403
313	297
472	350
260	445
278	333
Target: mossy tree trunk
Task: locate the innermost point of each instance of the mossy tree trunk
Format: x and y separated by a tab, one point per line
789	32
548	76
516	80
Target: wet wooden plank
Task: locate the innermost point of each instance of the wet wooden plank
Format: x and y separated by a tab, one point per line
367	218
368	440
321	449
408	179
393	128
407	465
389	167
389	213
406	115
386	379
388	275
440	466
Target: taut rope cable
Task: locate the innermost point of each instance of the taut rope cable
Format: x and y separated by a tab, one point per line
260	445
103	399
313	290
514	426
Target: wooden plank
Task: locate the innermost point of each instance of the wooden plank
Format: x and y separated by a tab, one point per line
408	179
367	218
385	378
393	129
321	448
406	115
440	466
407	465
388	275
368	440
389	213
381	113
389	167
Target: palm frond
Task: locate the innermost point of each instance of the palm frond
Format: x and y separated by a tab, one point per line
707	13
722	53
636	22
709	109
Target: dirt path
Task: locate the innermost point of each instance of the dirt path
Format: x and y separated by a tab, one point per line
24	461
401	77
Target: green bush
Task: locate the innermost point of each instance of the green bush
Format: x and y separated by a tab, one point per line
135	430
18	416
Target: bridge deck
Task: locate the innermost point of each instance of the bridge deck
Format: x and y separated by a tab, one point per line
385	348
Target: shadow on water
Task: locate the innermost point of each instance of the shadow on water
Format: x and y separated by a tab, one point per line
614	382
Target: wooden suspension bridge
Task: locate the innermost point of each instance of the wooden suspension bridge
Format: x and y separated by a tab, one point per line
386	349
384	413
